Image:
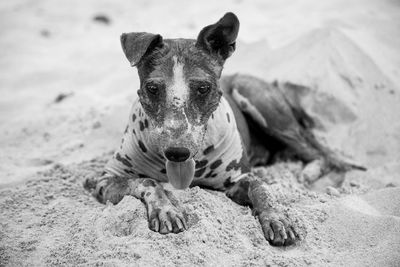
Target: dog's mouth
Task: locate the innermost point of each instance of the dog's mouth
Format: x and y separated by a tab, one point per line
180	167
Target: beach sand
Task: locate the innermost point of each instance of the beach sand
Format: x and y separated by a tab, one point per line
66	89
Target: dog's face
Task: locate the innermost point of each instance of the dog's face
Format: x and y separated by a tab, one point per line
179	83
179	91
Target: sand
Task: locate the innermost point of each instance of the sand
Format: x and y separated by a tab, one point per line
66	90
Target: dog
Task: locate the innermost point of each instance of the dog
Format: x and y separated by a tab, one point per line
192	127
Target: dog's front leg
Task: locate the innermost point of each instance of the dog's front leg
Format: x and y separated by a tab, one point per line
255	193
163	216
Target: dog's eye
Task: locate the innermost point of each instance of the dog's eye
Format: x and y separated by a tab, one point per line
203	88
152	88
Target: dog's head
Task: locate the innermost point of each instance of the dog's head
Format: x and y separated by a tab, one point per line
179	83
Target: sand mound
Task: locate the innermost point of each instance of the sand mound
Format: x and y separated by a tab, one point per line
53	221
342	88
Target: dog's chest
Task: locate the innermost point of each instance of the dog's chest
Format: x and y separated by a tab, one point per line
218	162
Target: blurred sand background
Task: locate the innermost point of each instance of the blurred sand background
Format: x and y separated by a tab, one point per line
66	90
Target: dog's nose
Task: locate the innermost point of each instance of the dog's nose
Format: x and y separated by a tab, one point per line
177	154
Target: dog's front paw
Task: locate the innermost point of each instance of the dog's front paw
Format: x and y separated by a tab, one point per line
277	229
166	218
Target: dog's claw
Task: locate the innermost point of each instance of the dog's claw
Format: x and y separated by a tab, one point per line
155	225
277	230
292	238
169	226
183	220
283	233
179	224
291	234
270	234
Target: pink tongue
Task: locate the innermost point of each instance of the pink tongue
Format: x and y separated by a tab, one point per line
180	174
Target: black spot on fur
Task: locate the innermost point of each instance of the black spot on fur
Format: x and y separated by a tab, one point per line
142	195
142	146
163	171
199	172
133	117
215	164
127	157
227	116
212	116
141	125
210	174
123	160
129	171
201	164
208	150
214	175
228	183
142	175
146	123
134	132
140	113
242	164
233	165
126	129
148	194
149	182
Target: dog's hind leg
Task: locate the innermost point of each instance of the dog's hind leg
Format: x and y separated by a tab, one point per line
163	216
267	107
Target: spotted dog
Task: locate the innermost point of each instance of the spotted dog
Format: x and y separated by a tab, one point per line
190	127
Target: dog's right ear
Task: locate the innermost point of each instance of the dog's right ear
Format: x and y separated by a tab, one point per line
136	44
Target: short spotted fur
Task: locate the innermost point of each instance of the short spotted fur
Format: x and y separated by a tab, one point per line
222	126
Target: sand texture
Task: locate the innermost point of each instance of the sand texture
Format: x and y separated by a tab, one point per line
66	89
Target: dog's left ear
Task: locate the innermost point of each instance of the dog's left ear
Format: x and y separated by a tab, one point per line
136	44
220	38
